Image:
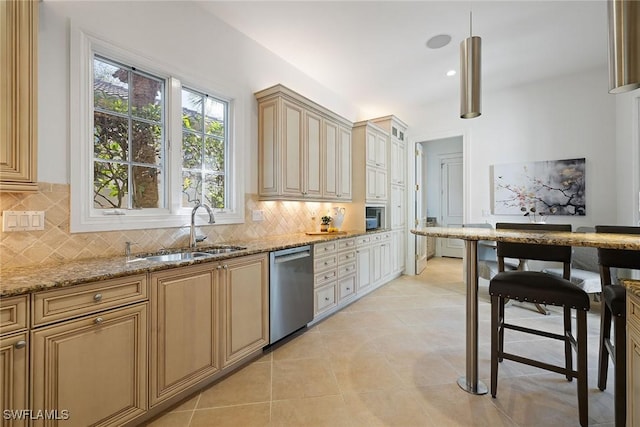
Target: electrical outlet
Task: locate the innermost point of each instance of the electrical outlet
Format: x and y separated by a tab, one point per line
257	215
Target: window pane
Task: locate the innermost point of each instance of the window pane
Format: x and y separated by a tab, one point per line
147	143
147	187
111	135
146	97
214	191
214	117
110	87
214	154
191	187
192	111
110	182
191	151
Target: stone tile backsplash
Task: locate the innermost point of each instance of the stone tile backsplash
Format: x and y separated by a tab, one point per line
56	244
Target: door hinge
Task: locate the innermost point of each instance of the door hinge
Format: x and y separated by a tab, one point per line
417	257
417	222
417	187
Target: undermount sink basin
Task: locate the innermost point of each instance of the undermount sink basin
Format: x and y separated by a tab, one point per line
178	256
223	249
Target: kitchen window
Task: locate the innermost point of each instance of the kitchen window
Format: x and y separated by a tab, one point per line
146	148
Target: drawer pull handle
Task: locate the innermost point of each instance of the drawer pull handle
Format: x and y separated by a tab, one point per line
97	297
21	344
219	267
98	320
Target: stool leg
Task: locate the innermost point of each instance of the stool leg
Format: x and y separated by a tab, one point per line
568	355
583	398
605	335
501	305
496	324
620	374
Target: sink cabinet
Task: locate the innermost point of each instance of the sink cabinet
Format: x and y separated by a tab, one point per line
633	358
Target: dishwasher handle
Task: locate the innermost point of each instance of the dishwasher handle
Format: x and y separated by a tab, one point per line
291	254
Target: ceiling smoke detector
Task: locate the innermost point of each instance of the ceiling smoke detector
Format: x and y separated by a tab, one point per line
436	42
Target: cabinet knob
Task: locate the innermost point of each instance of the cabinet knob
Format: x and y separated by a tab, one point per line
97	297
348	289
98	320
225	266
326	298
21	344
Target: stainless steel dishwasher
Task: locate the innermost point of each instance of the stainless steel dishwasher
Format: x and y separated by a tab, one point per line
290	291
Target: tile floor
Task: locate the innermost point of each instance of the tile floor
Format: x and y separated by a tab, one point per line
392	359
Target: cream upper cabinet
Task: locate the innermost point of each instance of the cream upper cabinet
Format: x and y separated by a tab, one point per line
18	95
184	318
376	148
244	306
94	367
371	141
301	148
397	167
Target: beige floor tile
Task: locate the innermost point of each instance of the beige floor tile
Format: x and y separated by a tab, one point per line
298	378
301	347
187	404
254	415
386	408
329	411
364	372
171	419
252	384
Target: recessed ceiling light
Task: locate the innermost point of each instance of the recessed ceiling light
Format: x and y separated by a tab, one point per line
451	73
436	42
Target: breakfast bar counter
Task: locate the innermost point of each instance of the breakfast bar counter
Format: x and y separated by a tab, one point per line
471	236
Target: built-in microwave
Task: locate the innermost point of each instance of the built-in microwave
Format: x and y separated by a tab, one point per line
374	217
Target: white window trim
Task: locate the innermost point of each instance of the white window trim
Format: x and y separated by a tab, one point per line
82	47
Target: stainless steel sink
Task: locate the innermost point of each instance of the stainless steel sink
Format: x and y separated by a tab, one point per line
223	249
178	256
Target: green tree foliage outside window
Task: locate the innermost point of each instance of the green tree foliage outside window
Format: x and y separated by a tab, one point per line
128	146
203	149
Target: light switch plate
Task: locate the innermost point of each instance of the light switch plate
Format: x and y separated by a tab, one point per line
257	215
22	220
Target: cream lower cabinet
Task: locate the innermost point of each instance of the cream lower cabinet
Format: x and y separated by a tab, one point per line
184	329
363	264
244	297
633	359
91	370
14	377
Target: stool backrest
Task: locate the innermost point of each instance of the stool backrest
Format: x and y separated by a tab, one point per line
617	258
534	251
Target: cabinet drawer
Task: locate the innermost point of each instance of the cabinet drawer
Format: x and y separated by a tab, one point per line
363	240
346	287
72	301
633	310
324	248
346	269
321	279
325	298
346	244
13	313
325	263
346	257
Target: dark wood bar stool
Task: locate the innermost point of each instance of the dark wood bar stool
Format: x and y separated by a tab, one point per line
614	308
541	288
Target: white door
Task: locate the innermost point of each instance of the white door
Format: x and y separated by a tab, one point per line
452	205
420	217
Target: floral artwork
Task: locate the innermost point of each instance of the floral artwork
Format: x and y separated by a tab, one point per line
553	187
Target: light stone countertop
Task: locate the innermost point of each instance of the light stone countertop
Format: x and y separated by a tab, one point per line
21	280
559	238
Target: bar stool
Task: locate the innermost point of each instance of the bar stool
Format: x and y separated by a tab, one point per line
614	308
542	288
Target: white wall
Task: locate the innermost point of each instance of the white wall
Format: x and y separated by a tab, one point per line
185	39
560	118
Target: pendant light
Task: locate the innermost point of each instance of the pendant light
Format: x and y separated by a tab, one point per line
470	65
624	45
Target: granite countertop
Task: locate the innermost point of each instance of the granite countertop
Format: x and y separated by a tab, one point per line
560	238
633	286
21	280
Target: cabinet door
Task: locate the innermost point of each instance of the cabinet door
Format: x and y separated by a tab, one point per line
312	166
386	262
633	376
344	164
371	184
268	149
397	206
381	151
184	345
292	149
244	293
363	263
371	148
14	376
381	185
331	151
376	263
94	367
396	165
18	95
